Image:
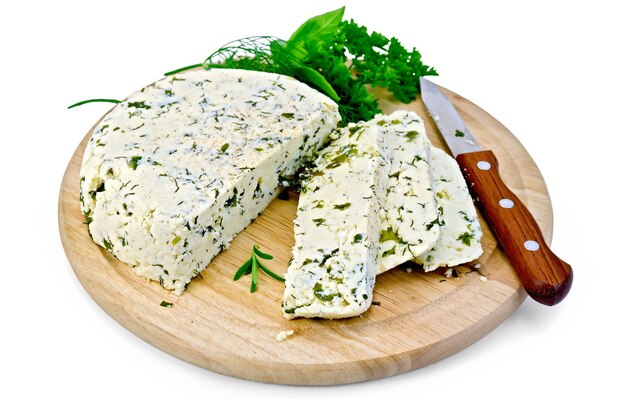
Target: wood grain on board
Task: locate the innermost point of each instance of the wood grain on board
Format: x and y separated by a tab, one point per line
217	324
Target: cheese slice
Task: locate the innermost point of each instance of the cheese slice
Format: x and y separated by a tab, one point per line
410	216
174	172
337	227
460	233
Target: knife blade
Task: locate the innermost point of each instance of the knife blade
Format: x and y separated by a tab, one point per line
546	278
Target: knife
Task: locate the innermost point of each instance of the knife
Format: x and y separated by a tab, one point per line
546	278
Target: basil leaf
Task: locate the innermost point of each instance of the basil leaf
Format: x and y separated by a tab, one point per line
317	29
310	75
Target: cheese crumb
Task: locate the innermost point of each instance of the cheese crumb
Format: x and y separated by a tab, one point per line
282	335
409	270
448	272
477	266
483	279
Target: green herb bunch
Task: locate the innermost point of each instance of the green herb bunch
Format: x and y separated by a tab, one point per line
337	57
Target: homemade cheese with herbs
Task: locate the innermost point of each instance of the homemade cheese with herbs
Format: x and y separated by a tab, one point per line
460	233
332	272
174	172
410	214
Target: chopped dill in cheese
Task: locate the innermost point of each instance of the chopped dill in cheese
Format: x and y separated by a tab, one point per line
173	173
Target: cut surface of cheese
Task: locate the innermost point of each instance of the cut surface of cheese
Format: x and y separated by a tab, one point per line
175	171
410	215
332	272
460	232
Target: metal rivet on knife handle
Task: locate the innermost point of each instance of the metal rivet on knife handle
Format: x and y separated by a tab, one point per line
483	165
531	245
506	203
546	278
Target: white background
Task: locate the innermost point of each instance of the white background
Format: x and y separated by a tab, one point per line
552	72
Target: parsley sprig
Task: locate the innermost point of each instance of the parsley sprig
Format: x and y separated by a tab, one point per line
252	266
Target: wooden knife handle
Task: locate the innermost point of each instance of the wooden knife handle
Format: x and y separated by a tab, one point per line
546	278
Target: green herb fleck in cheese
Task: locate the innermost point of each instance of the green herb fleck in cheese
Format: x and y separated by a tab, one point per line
337	227
409	215
460	233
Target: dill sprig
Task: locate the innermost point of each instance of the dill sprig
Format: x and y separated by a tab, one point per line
251	53
252	266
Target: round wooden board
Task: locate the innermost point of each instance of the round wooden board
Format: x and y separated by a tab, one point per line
217	324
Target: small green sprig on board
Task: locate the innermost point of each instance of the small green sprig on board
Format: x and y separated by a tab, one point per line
252	266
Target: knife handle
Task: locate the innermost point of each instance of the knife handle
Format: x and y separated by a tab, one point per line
546	278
